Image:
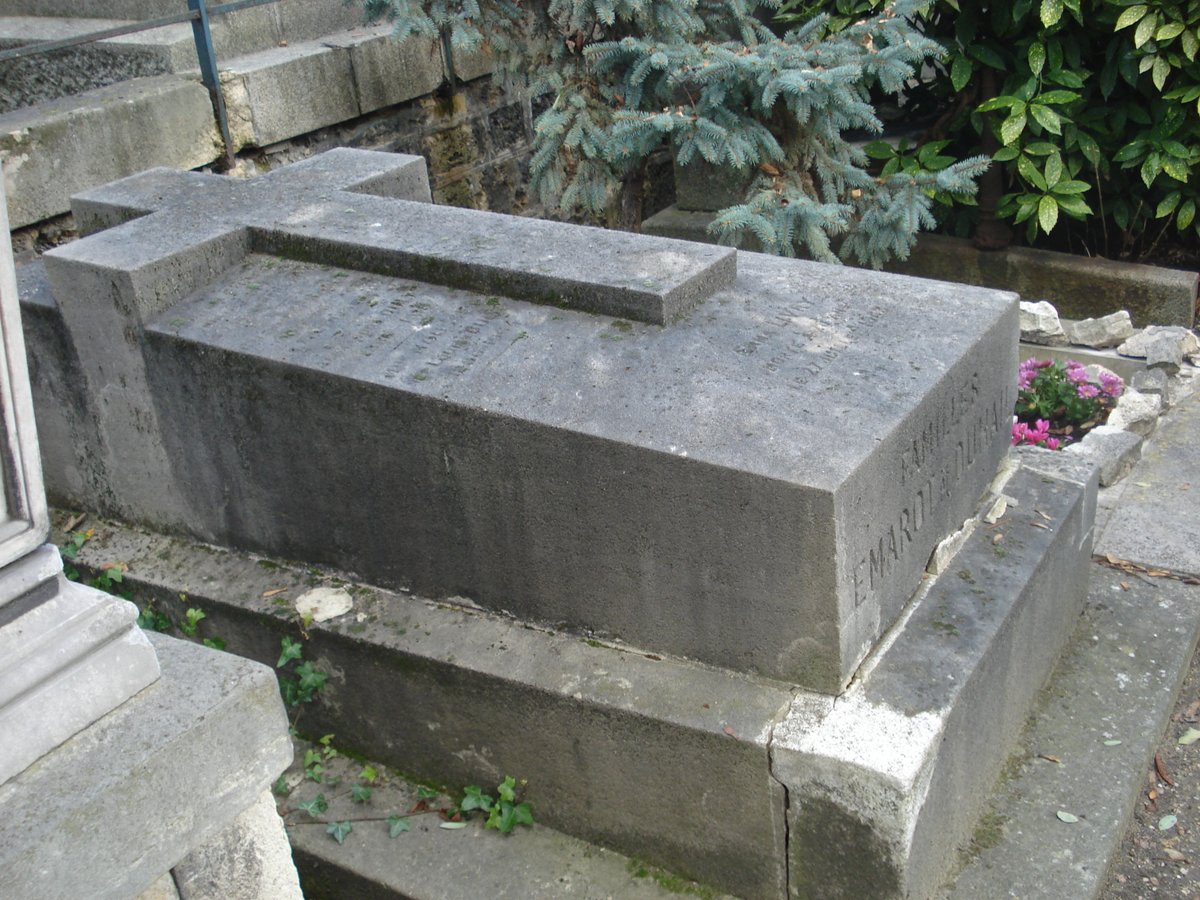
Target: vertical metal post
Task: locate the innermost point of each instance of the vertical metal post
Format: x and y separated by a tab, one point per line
208	72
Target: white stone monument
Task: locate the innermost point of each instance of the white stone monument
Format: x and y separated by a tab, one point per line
118	773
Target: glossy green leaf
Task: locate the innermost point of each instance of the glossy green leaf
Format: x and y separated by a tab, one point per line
1006	154
1184	218
1168	31
1176	168
1054	170
1131	15
1030	173
1150	168
1011	128
1130	151
1071	187
1046	117
1051	12
1145	30
1037	57
1168	205
1159	72
960	72
1057	97
1190	43
1047	213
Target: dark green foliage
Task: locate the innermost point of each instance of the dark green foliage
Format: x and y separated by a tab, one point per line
1095	105
707	79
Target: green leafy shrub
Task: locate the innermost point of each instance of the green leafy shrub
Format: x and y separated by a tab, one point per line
1093	105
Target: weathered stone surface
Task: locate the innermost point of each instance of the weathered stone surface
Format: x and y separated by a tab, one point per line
457	696
1165	353
1112	449
49	150
1136	412
1151	381
1107	331
103	816
1040	323
247	860
708	515
886	781
1137	344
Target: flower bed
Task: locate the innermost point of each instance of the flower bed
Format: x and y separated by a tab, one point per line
1057	403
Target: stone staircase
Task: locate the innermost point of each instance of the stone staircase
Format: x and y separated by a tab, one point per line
86	115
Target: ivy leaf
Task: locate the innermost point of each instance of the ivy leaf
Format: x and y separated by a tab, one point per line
475	798
1131	15
339	830
398	824
314	807
523	814
1047	213
369	774
360	793
1051	12
291	650
507	789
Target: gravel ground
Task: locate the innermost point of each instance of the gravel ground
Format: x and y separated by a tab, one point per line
1157	861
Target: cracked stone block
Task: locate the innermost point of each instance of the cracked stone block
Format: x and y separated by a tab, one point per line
1107	331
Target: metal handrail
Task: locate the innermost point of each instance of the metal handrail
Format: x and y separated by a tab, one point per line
197	13
189	15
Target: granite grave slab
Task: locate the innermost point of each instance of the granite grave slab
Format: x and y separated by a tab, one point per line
713	454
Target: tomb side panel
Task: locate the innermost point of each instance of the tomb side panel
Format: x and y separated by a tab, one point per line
924	481
668	553
106	288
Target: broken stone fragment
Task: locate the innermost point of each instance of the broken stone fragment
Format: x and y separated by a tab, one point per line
1137	345
1150	381
1136	412
1040	323
1166	353
1113	450
1107	331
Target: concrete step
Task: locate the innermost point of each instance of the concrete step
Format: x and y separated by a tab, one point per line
740	782
427	862
69	142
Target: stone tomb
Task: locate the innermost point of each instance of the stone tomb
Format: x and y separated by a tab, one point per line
722	456
730	457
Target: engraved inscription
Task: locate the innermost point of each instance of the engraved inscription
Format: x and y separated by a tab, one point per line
884	553
801	346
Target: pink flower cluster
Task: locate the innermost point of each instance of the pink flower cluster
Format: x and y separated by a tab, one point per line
1038	435
1029	369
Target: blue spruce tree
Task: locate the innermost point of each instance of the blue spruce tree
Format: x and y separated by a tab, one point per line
709	79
